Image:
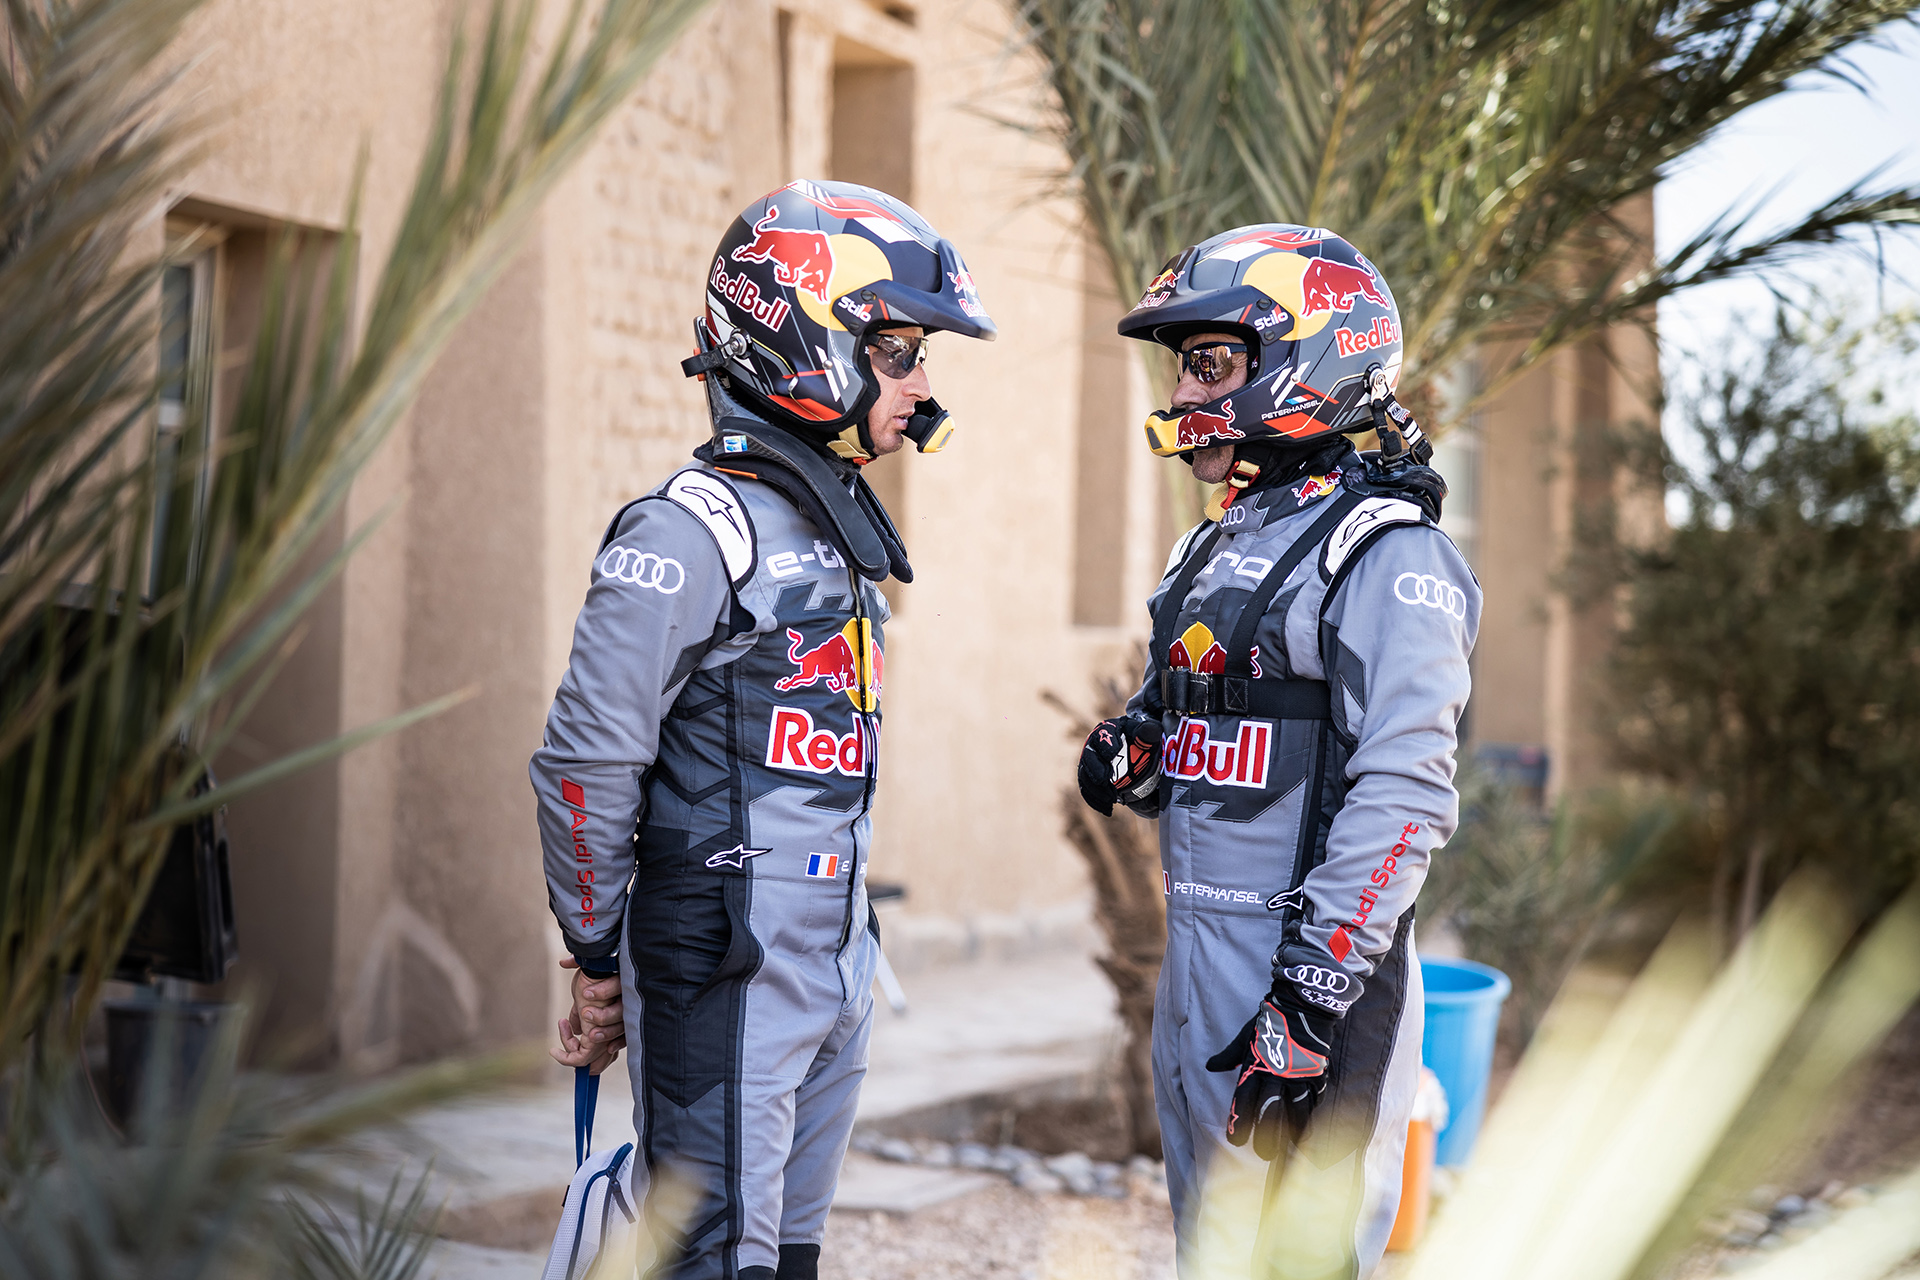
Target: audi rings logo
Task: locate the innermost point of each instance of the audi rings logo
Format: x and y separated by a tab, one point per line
643	569
1434	593
1314	977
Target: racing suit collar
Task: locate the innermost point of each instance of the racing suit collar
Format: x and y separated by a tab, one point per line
828	491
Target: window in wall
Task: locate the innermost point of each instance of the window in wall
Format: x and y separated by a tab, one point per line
188	298
211	302
872	143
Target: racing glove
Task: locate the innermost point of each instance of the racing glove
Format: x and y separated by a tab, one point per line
1282	1056
1121	761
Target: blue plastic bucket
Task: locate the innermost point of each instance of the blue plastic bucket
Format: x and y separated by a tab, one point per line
1463	1013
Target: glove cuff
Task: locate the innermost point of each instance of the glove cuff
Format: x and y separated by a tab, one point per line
1303	981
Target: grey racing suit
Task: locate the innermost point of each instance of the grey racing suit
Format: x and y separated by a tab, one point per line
1309	669
703	788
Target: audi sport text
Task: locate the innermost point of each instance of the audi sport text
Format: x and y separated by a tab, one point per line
575	797
1342	941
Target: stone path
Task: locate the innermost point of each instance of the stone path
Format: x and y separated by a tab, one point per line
976	1036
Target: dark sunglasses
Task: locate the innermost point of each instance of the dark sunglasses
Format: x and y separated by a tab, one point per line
1211	362
896	355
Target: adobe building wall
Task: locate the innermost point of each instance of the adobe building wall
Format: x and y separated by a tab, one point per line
393	903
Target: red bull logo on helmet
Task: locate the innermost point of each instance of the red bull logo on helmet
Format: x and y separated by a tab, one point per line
1196	429
1159	289
1349	342
1313	290
801	259
836	663
1190	753
743	293
1333	286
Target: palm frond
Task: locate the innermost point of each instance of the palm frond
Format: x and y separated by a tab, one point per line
1480	155
147	582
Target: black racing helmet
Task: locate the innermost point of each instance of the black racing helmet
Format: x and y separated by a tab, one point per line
800	280
1316	318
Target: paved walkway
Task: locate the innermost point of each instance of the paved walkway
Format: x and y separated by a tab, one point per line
974	1035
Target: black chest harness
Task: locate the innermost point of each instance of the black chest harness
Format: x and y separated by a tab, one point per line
1237	690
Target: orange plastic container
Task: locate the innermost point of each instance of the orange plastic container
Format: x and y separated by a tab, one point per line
1416	1188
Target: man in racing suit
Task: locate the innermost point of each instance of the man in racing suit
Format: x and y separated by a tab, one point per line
709	762
1294	736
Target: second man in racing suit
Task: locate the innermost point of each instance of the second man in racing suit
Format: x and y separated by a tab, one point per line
1294	736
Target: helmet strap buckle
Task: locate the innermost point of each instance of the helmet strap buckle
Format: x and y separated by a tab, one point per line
1245	472
1400	435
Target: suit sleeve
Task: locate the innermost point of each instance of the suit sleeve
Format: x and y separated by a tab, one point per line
1395	641
658	601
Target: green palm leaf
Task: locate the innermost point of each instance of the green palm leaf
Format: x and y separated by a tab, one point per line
1481	154
121	635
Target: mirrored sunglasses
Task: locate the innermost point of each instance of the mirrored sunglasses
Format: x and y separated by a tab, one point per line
896	355
1212	361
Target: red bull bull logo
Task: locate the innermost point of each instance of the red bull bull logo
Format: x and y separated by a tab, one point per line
1332	286
1159	289
1348	342
801	259
796	746
1196	429
836	662
1190	753
1316	487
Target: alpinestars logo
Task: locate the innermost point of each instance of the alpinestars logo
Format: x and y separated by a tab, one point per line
1294	900
1190	754
735	857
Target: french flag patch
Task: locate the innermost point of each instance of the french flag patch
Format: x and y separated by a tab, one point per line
823	866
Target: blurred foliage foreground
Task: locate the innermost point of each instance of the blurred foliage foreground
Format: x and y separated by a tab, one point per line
153	576
1627	1125
1763	696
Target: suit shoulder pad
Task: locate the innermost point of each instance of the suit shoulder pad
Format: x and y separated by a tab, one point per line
718	505
1372	516
1182	545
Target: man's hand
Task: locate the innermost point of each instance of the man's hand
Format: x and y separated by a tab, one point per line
1281	1055
1121	761
593	1035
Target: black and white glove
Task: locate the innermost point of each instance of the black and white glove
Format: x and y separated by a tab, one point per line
1282	1056
1121	761
1284	1051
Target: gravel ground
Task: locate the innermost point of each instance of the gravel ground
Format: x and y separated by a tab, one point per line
1004	1233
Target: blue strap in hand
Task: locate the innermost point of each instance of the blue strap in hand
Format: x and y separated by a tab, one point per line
586	1095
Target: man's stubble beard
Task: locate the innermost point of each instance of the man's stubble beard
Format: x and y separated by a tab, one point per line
1211	465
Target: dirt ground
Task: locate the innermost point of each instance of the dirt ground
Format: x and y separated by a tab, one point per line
1005	1233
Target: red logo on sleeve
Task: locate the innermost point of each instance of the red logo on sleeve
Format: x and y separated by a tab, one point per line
575	796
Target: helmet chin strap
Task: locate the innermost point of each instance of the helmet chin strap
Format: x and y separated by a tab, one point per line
1401	439
1256	461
